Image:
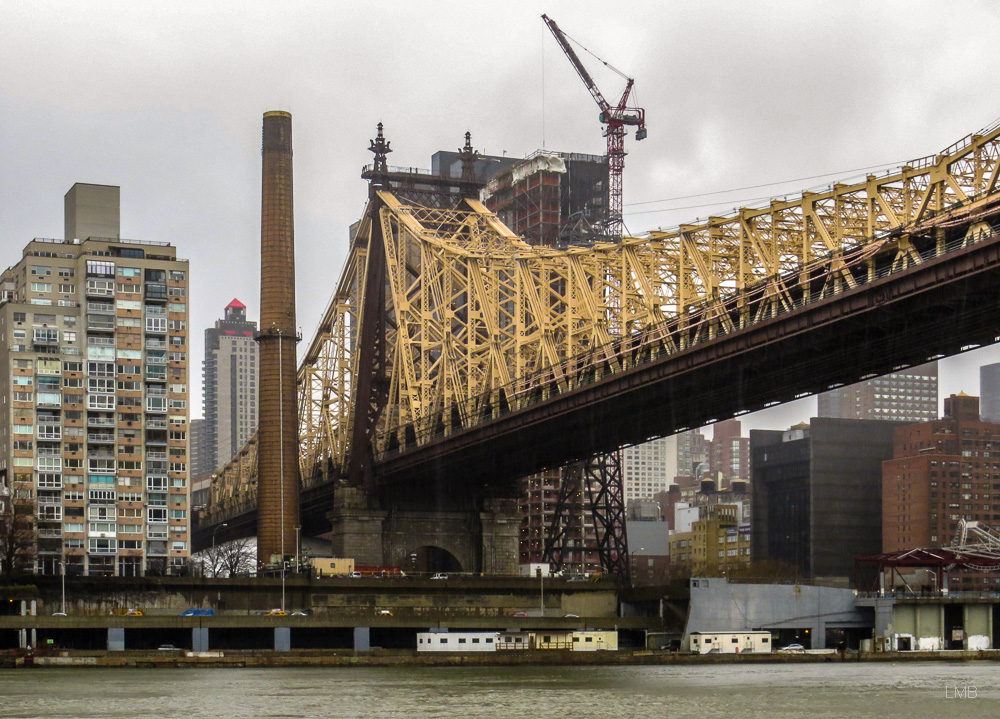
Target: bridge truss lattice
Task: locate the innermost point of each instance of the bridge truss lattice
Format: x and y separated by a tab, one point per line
478	323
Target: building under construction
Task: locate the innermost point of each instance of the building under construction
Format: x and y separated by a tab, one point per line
552	199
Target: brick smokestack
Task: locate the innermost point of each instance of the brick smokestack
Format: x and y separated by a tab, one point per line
277	434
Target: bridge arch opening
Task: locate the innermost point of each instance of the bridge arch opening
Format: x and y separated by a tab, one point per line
434	559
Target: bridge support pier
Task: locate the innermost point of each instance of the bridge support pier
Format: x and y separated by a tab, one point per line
501	524
282	639
199	639
356	529
464	540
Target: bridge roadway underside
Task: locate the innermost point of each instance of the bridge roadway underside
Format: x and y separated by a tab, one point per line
940	307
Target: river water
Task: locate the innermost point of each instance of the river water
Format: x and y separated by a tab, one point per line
909	689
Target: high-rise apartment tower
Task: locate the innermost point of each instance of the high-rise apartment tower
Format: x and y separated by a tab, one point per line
230	385
93	379
910	395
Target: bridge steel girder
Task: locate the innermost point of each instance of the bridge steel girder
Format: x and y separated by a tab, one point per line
939	308
481	327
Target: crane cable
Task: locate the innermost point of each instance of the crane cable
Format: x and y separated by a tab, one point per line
593	55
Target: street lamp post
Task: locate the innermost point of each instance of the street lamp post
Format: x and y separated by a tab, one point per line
281	462
62	565
215	559
298	545
541	591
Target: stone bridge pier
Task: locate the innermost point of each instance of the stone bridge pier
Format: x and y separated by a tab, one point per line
483	541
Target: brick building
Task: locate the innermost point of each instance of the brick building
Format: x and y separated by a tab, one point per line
943	471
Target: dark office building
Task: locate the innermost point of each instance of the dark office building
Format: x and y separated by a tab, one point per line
989	393
817	494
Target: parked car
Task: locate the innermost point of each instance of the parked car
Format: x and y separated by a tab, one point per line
133	613
519	614
58	614
167	648
440	575
792	648
384	612
198	612
277	613
355	575
299	614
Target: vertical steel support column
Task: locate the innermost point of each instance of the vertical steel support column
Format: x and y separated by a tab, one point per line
277	436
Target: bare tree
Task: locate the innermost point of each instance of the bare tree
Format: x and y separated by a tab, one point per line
17	531
209	561
235	558
238	557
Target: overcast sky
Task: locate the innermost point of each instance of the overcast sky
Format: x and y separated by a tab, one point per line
165	100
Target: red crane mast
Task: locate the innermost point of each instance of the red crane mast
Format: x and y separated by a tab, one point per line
615	118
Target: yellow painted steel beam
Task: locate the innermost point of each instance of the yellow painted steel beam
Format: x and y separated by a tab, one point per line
476	316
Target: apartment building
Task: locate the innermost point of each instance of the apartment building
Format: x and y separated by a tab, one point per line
909	395
941	472
230	386
94	392
718	540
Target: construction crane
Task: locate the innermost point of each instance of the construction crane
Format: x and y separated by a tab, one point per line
615	118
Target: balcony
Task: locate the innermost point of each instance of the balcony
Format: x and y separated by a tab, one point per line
100	288
156	481
51	432
100	421
103	308
156	374
45	337
100	323
156	422
100	438
156	292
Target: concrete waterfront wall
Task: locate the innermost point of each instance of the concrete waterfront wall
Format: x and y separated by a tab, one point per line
924	626
717	606
457	596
